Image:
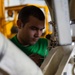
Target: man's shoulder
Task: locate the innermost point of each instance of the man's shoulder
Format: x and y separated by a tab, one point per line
13	38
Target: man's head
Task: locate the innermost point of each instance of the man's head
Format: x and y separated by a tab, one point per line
28	11
31	21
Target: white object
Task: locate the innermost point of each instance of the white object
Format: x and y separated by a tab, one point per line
67	68
62	20
14	61
73	30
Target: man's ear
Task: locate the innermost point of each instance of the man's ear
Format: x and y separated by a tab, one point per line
19	24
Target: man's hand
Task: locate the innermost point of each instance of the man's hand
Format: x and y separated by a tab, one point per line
37	59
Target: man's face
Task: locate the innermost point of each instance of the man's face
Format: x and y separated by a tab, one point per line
32	31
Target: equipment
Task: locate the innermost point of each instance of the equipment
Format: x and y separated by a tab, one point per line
61	59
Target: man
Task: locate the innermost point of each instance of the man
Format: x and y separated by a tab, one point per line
31	22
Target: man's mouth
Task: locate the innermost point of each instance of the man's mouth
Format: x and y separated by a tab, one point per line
35	39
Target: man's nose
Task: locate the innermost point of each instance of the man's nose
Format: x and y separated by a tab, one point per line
38	33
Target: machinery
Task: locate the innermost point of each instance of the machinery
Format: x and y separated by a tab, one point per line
61	58
9	19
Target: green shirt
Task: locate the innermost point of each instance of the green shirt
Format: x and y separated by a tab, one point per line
40	47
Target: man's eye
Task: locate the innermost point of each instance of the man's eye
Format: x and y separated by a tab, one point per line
33	28
41	29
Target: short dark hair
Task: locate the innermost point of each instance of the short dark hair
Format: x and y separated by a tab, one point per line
28	11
